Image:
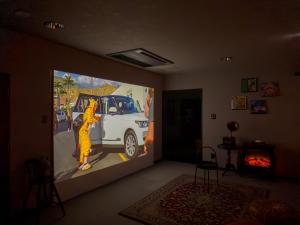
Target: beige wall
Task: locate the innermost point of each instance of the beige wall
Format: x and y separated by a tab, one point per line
30	62
279	127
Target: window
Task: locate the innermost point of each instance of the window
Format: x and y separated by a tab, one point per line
126	105
82	103
107	102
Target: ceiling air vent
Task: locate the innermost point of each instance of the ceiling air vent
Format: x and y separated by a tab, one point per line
140	57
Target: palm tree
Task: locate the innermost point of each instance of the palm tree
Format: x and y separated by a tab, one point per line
58	90
68	82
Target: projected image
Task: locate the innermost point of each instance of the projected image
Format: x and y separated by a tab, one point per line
99	123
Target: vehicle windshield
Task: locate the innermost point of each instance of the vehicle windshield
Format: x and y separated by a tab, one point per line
126	105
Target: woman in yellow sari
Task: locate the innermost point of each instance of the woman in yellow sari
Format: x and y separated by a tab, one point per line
89	118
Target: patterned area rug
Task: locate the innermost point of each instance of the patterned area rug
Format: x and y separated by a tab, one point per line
181	202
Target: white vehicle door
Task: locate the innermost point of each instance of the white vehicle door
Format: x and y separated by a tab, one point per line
95	129
111	122
96	132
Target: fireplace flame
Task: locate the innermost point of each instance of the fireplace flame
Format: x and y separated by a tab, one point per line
258	161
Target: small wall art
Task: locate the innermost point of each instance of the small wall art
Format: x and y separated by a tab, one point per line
249	85
269	89
239	103
258	106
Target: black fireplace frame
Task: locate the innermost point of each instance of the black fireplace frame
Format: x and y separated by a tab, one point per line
260	171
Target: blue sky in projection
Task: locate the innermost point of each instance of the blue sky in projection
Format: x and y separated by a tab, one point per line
87	81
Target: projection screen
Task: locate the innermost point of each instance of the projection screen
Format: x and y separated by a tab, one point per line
99	123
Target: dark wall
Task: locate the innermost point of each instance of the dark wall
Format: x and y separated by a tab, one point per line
4	148
30	62
280	126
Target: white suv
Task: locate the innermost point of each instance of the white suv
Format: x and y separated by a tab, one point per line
122	124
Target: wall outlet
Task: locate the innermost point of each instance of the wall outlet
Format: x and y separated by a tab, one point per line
213	116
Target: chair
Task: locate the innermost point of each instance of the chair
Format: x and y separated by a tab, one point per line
206	165
37	171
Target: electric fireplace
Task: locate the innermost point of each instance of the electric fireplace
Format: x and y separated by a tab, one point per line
257	158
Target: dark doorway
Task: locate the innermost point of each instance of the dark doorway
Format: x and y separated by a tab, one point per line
4	148
182	124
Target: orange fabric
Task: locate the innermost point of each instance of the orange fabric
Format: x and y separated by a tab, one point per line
150	134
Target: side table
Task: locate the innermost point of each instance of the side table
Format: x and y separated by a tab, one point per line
229	166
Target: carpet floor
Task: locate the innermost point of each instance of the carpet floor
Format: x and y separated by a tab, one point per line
181	202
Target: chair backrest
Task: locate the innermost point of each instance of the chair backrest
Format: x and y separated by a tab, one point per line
200	148
213	153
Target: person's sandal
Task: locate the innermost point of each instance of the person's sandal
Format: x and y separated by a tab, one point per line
143	154
86	166
81	165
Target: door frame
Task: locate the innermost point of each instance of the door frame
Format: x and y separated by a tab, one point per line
187	92
7	198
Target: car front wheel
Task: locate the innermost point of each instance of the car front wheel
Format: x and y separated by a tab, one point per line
131	145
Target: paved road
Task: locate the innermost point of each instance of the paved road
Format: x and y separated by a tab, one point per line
66	166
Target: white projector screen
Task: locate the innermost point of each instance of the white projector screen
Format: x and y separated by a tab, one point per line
99	123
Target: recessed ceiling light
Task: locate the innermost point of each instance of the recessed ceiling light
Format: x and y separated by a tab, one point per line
52	25
227	59
22	13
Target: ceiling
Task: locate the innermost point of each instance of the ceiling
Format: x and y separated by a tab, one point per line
193	34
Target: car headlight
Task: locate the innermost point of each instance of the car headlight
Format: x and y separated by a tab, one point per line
142	124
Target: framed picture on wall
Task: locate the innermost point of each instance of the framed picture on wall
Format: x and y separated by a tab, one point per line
249	85
258	106
252	84
239	103
270	89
